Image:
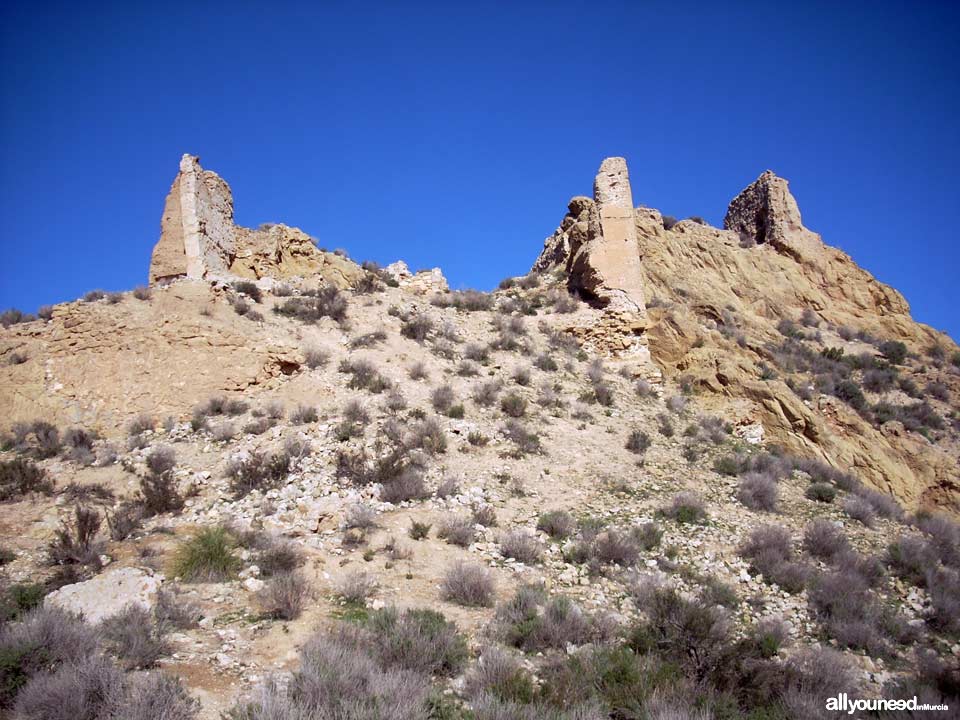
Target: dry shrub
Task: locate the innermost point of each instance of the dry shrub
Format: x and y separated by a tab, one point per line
521	546
356	587
284	595
76	543
558	524
457	530
134	638
758	491
469	585
769	549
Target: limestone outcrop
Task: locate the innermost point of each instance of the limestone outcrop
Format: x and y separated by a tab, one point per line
199	240
766	212
421	282
197	235
596	244
107	594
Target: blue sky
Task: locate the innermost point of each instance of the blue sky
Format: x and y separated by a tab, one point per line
453	134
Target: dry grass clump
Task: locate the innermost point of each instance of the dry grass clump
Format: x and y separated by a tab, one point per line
419	530
638	442
476	352
408	485
469	585
442	398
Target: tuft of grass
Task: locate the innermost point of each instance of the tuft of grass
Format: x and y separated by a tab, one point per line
206	557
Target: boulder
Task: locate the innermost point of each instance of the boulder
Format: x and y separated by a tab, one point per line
107	593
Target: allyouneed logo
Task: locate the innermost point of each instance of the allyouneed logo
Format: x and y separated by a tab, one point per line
843	703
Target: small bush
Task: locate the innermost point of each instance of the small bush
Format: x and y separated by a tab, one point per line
419	530
360	516
304	414
315	357
418	371
769	550
133	637
638	442
894	351
860	510
356	587
686	507
469	585
310	308
364	376
825	541
909	558
616	547
284	595
485	394
421	641
76	543
457	530
525	441
249	289
19	477
520	546
408	485
127	518
558	524
514	405
521	376
442	398
665	425
484	515
206	557
821	492
758	491
417	327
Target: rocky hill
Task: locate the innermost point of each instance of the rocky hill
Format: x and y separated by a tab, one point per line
674	471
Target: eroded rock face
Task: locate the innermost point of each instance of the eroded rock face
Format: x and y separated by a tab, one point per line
198	239
766	212
196	231
596	243
107	594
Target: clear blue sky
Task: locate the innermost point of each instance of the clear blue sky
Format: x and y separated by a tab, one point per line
453	134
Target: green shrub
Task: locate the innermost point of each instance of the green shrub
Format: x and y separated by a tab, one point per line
19	477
